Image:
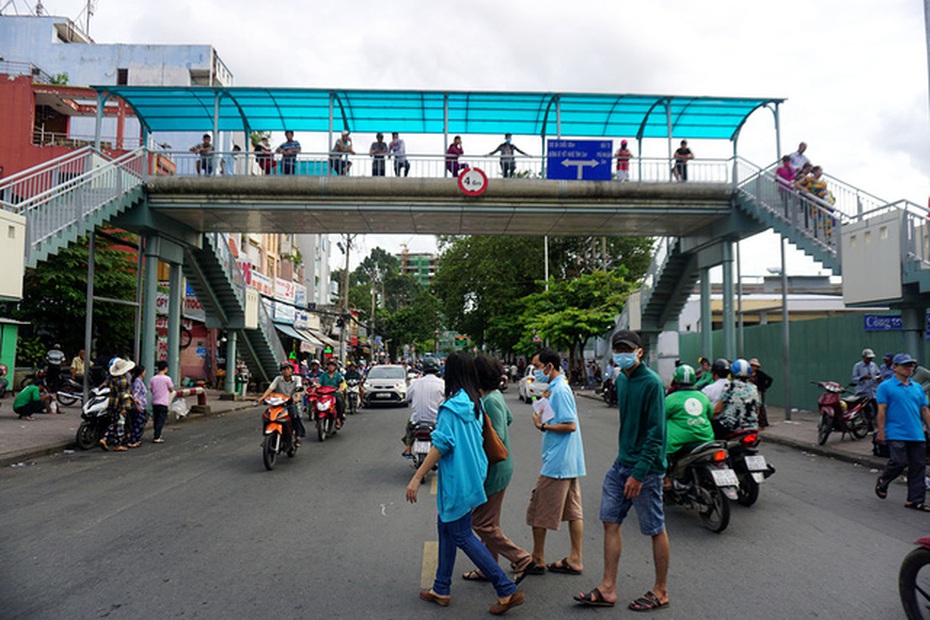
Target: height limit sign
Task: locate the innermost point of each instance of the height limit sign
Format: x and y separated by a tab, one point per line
579	160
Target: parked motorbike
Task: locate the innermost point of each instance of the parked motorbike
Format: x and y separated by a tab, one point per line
914	585
278	431
67	391
609	392
96	418
322	404
751	467
353	395
702	479
842	414
422	442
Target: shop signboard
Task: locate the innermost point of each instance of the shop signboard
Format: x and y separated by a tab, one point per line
284	290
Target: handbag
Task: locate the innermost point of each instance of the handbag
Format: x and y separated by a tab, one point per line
494	448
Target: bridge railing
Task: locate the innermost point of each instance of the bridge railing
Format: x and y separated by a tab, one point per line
26	184
242	163
79	197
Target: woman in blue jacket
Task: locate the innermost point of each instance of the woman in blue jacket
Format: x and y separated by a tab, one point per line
458	448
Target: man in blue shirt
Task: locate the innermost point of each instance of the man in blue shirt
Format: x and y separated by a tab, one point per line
289	151
902	412
557	494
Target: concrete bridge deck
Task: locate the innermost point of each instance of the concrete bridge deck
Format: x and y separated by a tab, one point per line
330	204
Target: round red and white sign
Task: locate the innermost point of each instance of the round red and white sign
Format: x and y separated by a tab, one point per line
473	181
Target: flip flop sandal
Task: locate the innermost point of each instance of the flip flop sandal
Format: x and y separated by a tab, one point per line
532	569
594	598
648	602
881	490
562	566
474	575
918	506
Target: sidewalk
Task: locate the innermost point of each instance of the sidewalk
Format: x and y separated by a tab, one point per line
22	440
801	433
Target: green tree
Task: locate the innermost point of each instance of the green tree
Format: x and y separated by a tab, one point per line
54	297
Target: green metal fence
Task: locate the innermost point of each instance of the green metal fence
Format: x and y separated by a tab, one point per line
820	349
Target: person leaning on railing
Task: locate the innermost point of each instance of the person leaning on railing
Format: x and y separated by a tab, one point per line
815	186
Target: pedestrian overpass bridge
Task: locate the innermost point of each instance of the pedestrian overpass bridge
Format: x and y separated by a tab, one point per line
183	220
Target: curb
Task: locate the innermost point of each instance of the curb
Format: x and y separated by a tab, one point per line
12	458
863	460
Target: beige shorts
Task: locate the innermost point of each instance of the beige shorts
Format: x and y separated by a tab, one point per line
554	500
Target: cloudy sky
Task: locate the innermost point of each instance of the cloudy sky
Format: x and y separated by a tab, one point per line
854	72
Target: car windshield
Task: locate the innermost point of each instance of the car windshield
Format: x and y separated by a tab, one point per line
387	372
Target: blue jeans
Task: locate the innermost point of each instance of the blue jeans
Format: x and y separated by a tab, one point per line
459	535
912	456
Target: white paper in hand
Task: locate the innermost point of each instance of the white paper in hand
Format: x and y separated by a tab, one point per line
544	409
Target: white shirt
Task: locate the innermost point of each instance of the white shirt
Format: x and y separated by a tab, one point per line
424	396
798	159
714	391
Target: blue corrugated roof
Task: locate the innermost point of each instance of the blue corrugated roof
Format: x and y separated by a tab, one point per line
166	108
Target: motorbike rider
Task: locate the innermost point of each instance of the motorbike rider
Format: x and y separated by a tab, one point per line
687	414
314	375
866	376
286	383
55	359
719	371
424	396
352	374
704	376
738	407
333	378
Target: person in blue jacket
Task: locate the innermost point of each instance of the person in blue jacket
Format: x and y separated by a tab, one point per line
459	449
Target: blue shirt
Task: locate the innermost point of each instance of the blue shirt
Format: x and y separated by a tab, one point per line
562	453
287	146
902	415
463	465
865	386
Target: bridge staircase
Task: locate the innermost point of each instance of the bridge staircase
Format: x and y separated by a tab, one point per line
66	198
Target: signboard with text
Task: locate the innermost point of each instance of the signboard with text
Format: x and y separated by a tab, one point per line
284	290
300	295
579	160
262	283
889	323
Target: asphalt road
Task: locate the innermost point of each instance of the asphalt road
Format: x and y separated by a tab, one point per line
197	528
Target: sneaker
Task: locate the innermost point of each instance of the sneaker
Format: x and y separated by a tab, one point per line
158	440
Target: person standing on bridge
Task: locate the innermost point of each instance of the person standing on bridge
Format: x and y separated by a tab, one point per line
205	150
682	155
798	158
508	158
339	156
453	153
398	150
623	162
378	152
289	150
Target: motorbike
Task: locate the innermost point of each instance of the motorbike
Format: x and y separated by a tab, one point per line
322	404
842	414
422	442
96	417
67	391
702	479
502	386
278	431
751	467
915	597
609	393
353	395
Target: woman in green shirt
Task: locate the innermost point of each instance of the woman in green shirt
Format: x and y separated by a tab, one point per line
486	518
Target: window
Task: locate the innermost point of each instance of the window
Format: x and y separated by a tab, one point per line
122	77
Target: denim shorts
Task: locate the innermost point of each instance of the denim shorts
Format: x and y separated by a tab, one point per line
615	507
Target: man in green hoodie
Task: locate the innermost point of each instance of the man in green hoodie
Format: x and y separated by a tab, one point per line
635	480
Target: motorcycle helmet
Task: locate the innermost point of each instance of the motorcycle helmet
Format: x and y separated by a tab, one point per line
740	368
431	365
720	367
314	362
684	375
286	365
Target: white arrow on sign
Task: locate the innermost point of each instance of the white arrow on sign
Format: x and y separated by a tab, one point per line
580	165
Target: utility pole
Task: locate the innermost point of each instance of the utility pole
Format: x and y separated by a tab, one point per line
345	299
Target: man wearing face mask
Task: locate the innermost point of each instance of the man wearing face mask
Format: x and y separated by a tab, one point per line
635	479
557	494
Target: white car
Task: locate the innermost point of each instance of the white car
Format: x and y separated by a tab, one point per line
529	388
386	384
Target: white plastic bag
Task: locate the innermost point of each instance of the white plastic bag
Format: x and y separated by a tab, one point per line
179	407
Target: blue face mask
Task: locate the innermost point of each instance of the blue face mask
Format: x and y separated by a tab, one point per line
540	376
625	360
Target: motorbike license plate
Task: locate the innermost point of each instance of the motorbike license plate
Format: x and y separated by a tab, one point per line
421	447
755	463
383	395
725	477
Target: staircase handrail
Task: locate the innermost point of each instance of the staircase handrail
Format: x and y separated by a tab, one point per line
267	327
230	264
32	181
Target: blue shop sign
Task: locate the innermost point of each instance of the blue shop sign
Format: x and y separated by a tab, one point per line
889	323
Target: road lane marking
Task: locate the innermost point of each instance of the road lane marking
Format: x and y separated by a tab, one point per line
430	563
433	485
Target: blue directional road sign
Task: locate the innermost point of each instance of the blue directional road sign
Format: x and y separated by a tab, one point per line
579	160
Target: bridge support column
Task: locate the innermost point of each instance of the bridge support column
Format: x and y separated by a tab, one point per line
230	386
729	327
148	304
914	325
175	299
707	318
